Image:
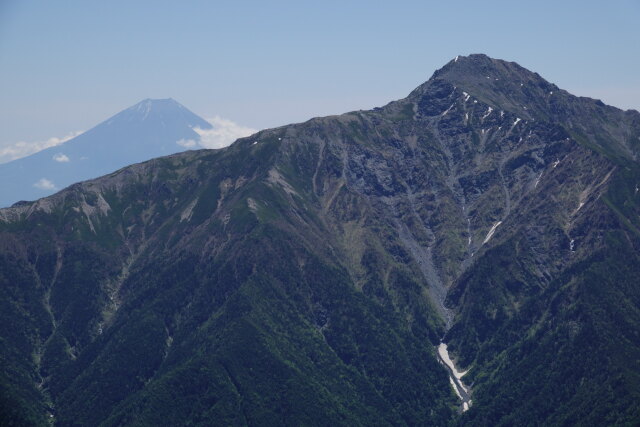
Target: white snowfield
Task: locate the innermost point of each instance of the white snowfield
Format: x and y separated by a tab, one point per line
444	354
455	388
456	379
448	109
490	233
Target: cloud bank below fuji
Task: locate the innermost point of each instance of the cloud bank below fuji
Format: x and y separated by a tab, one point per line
24	148
223	133
45	184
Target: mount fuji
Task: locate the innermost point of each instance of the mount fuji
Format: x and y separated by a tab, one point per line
150	128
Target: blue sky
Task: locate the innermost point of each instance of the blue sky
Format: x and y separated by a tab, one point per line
68	65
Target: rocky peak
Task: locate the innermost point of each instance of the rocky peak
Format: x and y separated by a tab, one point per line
501	84
508	87
475	67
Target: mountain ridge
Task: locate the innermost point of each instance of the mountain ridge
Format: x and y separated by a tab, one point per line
348	244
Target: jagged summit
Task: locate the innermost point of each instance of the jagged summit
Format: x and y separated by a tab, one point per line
477	63
501	84
508	87
506	84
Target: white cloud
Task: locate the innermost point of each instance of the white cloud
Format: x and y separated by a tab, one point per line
187	143
44	184
23	148
224	132
62	158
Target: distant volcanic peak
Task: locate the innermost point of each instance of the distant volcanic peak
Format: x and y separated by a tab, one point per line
159	110
149	103
148	129
147	106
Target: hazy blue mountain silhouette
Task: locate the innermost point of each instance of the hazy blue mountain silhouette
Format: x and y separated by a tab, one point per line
146	130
